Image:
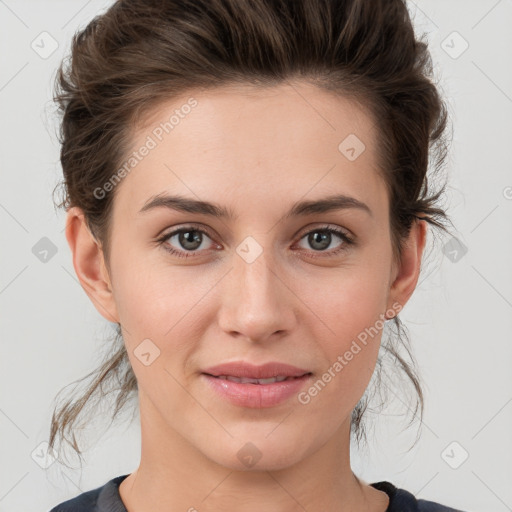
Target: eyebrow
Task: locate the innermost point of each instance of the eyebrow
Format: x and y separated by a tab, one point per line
301	208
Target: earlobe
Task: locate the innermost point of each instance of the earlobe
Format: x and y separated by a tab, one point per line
88	261
410	266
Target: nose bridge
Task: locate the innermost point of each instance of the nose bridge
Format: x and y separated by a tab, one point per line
256	302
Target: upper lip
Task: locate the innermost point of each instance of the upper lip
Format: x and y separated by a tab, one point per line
250	371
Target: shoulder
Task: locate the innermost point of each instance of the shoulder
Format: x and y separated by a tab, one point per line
85	502
401	500
432	506
100	499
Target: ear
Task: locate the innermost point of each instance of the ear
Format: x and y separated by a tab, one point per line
89	263
408	271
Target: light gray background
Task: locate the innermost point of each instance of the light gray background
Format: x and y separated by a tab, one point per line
459	319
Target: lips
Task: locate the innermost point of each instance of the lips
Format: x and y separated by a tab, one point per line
255	395
246	380
241	371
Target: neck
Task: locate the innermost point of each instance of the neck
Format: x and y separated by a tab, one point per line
174	475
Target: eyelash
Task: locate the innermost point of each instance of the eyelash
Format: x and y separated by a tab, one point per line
348	241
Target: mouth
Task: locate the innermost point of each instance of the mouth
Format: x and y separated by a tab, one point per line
255	373
248	380
254	393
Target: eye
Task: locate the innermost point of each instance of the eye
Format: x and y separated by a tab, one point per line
191	239
321	238
188	240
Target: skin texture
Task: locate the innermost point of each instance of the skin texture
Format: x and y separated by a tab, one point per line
256	152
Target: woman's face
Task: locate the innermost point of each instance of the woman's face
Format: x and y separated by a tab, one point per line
263	283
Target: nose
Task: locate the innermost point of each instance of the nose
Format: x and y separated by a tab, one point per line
257	301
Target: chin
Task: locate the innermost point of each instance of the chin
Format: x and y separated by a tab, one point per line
257	452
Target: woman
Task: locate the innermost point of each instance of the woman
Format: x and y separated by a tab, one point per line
247	199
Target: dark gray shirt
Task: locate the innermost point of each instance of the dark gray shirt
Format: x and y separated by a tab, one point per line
107	499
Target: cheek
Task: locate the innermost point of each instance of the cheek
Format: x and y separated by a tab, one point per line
349	306
164	304
348	301
349	336
144	301
154	319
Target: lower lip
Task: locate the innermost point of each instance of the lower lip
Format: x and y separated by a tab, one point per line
256	395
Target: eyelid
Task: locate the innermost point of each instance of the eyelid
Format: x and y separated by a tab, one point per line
304	231
191	226
315	227
344	234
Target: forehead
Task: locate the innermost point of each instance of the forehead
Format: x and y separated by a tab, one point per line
253	145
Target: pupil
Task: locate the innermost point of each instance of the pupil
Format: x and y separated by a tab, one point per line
193	237
324	239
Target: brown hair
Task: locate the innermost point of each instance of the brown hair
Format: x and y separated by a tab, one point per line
142	52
